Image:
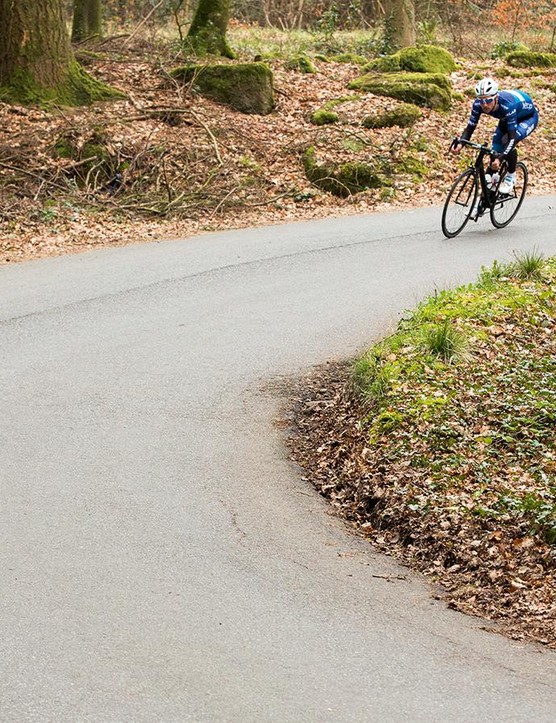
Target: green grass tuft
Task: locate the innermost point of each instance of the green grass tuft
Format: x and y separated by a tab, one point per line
445	341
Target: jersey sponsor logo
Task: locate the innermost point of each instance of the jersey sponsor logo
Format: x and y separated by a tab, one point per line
523	99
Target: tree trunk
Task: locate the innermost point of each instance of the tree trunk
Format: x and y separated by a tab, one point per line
207	34
400	23
87	20
36	58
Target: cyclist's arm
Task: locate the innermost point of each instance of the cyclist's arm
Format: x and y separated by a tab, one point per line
472	122
468	132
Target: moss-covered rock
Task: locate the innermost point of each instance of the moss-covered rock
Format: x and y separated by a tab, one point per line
349	58
302	63
432	90
247	87
412	165
421	59
323	116
529	59
343	179
505	47
327	114
404	116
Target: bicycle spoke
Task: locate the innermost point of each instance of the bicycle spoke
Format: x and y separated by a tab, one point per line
505	207
459	203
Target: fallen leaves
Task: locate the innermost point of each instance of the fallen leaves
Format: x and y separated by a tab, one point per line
467	495
189	165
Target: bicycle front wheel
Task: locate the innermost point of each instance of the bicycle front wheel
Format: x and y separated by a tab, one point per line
459	203
505	207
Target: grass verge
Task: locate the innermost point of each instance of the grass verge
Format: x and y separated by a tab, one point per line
439	443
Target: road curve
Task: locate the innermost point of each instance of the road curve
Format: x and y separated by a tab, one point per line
162	559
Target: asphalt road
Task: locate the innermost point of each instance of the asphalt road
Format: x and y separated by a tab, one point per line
162	560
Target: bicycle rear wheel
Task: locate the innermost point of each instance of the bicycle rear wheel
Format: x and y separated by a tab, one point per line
505	207
459	203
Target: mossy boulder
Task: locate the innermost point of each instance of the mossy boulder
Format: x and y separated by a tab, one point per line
404	116
411	164
421	59
505	47
431	90
343	179
327	114
349	58
323	116
530	59
247	87
302	63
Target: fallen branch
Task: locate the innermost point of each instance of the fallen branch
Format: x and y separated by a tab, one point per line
147	16
223	200
210	134
32	175
270	200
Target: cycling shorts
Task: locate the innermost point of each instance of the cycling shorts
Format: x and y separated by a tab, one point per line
524	128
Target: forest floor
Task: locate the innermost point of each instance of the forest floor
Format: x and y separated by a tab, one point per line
175	164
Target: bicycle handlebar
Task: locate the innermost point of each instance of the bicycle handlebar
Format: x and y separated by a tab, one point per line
478	146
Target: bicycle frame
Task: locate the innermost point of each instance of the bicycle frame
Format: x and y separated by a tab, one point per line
487	197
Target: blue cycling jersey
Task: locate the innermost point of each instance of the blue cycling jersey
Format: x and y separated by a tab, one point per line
514	107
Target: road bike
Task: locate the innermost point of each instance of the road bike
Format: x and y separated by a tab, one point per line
472	195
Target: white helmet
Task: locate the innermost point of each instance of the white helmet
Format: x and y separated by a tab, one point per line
486	87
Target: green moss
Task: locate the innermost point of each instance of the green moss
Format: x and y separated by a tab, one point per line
206	37
432	90
421	59
77	88
96	163
387	64
323	117
326	114
359	176
349	58
341	100
412	165
247	87
302	63
404	116
64	148
504	48
345	179
529	59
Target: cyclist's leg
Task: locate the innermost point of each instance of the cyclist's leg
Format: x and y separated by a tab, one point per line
512	159
526	127
523	129
500	141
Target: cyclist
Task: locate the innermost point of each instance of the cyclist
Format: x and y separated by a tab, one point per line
517	118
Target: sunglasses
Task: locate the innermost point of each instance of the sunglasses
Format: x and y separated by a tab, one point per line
487	101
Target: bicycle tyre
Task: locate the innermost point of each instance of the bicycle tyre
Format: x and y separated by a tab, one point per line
459	203
505	208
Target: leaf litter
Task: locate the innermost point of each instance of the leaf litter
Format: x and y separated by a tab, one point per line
167	163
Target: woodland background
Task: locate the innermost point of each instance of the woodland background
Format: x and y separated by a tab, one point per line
173	163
